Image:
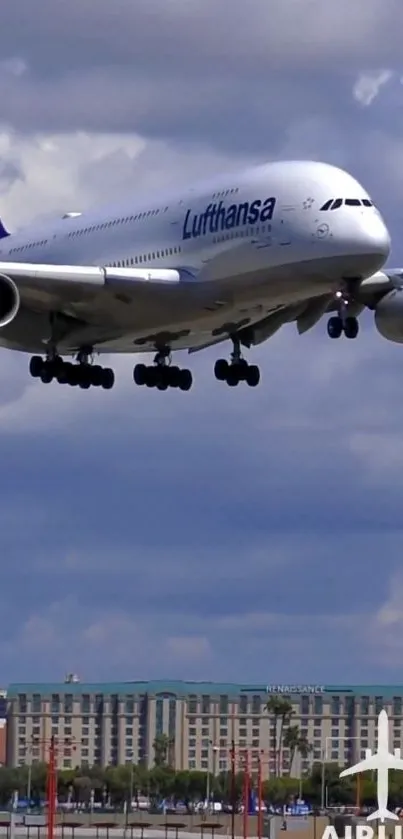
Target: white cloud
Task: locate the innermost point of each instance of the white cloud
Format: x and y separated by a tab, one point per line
369	85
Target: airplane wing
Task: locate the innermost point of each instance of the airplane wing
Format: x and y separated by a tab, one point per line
366	765
371	763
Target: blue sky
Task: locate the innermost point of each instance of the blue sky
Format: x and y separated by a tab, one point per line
229	534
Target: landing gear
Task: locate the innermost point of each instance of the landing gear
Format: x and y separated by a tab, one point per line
336	326
237	370
83	374
162	374
345	321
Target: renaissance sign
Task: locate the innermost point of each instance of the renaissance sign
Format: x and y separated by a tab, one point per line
295	689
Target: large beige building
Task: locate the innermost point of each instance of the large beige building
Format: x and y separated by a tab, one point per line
111	724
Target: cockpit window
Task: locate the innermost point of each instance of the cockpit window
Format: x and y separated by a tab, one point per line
334	204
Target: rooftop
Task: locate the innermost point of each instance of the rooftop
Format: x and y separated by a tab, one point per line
182	688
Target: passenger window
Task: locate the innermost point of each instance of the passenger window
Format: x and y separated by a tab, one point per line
336	204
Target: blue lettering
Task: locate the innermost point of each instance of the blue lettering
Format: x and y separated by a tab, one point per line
218	218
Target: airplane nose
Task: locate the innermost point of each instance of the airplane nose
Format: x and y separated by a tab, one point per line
377	235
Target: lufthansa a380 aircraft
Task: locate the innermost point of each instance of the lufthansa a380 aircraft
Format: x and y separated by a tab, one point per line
233	259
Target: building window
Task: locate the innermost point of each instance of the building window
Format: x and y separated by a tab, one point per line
85	704
304	704
205	705
172	719
192	705
378	704
68	703
318	705
129	705
335	706
55	704
256	704
397	706
159	716
22	703
243	705
223	705
365	706
36	703
99	703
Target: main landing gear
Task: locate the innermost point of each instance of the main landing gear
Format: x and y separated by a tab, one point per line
344	322
162	374
237	370
83	374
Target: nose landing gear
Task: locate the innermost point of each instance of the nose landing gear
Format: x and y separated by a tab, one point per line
345	322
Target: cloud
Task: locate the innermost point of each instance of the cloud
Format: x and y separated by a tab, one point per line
152	534
369	85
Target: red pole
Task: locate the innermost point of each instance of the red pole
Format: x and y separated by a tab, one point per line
233	790
51	790
246	798
259	798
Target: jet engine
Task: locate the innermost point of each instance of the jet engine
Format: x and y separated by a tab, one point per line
9	300
389	316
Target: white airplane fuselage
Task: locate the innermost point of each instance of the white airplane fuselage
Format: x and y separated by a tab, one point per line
243	245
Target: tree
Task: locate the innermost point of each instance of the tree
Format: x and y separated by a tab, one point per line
291	741
161	746
280	709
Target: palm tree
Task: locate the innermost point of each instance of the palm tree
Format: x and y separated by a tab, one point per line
292	737
296	742
162	749
281	709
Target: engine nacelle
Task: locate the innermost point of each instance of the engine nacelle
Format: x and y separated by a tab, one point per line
9	300
389	316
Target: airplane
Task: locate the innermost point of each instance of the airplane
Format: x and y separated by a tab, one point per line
382	761
233	258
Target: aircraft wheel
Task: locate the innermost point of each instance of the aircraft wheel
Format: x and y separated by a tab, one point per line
108	378
35	366
334	327
351	327
253	375
185	379
140	373
221	368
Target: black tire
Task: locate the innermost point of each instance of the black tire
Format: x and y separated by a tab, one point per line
140	374
253	375
185	380
221	369
108	378
334	327
35	366
232	377
351	328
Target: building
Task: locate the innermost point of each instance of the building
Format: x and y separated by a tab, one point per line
117	723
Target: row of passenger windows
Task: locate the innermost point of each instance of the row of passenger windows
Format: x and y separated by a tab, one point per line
106	225
225	192
242	234
29	246
146	257
335	203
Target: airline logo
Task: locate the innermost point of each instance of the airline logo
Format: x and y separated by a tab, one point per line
217	218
